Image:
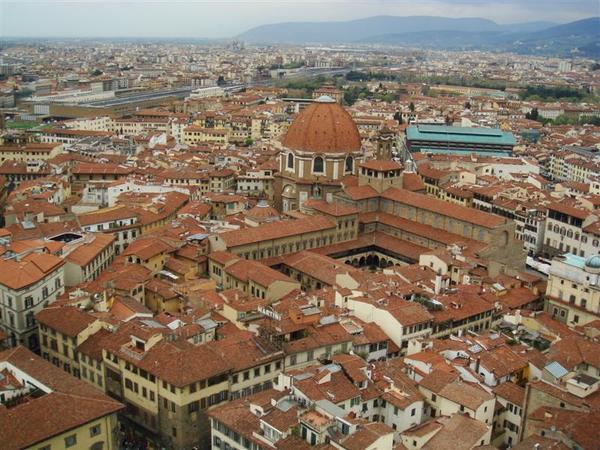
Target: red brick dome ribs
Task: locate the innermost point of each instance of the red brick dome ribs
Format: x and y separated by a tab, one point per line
262	211
324	126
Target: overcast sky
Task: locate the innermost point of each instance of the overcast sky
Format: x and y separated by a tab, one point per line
226	18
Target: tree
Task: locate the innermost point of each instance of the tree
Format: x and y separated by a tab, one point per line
220	80
592	120
355	75
389	98
248	142
533	114
552	93
411	107
468	105
565	120
354	93
398	117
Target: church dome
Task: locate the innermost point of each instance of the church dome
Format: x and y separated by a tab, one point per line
323	126
263	212
593	262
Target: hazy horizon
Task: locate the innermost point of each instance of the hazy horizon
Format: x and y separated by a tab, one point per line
197	19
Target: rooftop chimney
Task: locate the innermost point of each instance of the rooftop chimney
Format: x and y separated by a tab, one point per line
438	282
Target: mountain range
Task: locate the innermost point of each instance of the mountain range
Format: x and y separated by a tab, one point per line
548	38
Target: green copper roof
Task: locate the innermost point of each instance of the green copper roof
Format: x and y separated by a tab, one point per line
574	260
466	151
442	133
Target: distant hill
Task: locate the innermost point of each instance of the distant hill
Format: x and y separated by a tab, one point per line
584	27
581	37
362	29
527	27
444	39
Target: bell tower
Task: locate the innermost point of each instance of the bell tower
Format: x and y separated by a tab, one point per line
385	141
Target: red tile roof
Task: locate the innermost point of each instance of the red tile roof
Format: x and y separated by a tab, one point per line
68	320
360	192
86	252
245	270
71	404
462	213
276	230
332	209
97	168
381	165
29	270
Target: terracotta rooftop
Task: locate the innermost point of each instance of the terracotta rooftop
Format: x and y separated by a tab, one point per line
381	165
511	392
178	363
459	433
332	209
412	182
147	248
87	251
581	427
105	215
97	168
458	212
366	436
275	230
29	270
317	266
262	212
246	270
71	404
361	192
68	320
236	414
502	361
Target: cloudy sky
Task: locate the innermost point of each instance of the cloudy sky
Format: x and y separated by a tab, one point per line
225	18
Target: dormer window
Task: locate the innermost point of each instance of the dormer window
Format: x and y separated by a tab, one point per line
137	345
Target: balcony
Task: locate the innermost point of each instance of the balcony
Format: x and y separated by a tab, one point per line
132	353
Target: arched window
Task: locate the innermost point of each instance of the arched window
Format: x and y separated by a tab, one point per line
290	161
318	165
349	164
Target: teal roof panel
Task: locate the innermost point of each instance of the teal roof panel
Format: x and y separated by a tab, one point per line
465	151
443	133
